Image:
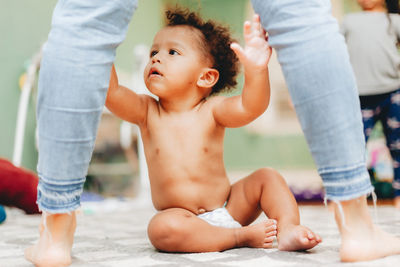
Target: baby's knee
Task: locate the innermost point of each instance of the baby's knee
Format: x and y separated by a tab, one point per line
164	233
268	175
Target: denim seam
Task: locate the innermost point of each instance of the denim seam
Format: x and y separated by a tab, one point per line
342	183
73	110
48	180
66	140
335	169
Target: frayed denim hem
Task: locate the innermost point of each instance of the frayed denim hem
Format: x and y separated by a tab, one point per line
52	210
358	194
346	183
59	197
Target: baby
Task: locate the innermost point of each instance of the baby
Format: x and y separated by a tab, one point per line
183	133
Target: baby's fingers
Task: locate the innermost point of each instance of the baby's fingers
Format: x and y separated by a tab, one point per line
253	29
238	51
256	26
247	31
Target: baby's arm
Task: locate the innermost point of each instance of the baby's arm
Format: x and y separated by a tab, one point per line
239	110
125	103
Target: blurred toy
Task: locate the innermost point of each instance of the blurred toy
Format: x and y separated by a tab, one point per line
308	194
2	214
18	187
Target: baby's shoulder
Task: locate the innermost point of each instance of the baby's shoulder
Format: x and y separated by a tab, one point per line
215	100
210	103
153	106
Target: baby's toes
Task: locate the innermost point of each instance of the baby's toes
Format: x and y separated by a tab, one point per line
318	238
270	222
271	233
271	228
310	235
268	241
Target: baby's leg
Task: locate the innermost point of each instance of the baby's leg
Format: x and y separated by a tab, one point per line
179	230
266	190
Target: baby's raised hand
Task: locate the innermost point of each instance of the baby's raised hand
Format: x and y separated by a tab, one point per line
257	52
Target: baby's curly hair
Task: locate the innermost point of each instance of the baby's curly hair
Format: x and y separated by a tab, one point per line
216	42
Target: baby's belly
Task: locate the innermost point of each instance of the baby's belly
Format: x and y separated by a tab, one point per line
197	198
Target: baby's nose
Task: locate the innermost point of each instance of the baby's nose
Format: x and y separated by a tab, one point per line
155	59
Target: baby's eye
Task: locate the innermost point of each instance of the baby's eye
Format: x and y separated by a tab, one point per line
173	52
153	53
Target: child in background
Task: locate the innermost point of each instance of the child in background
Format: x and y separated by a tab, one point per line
371	37
183	132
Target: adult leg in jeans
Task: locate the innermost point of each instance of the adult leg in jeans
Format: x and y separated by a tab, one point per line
316	66
73	83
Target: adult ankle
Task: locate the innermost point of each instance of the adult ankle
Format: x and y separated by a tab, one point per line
352	213
59	224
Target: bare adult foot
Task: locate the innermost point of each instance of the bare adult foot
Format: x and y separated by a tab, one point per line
55	241
296	237
361	239
260	235
397	202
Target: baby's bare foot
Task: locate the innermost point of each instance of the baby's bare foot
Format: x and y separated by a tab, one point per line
296	237
260	235
55	241
397	202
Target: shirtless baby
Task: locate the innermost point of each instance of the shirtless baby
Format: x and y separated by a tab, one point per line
183	133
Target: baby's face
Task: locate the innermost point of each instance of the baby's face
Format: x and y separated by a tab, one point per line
175	62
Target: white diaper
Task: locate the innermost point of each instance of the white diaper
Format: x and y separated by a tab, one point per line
220	217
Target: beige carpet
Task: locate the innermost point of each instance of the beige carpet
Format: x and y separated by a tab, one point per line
113	233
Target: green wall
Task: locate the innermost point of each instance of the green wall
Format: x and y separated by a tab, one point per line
24	25
351	6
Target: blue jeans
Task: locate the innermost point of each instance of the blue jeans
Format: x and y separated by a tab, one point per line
322	86
73	83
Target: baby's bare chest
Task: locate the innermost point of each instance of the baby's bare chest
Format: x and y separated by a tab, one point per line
184	134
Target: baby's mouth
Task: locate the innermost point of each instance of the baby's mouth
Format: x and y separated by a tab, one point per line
154	72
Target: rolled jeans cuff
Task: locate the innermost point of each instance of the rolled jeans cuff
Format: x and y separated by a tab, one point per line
59	196
346	183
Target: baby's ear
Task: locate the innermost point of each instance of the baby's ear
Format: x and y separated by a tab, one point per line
208	78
